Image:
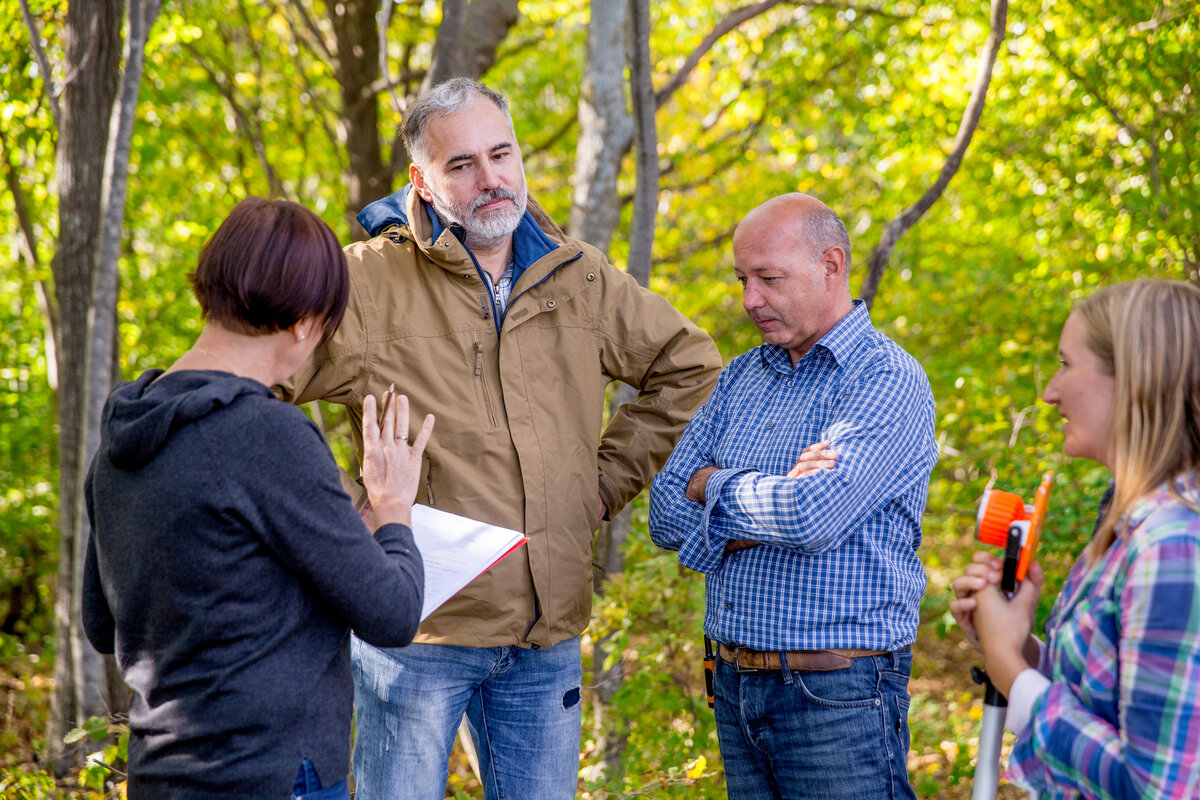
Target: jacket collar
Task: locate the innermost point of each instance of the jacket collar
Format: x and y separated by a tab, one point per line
535	237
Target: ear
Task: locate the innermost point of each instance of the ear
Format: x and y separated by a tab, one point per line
834	263
417	178
305	329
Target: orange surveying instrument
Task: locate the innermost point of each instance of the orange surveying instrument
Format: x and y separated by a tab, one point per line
1004	520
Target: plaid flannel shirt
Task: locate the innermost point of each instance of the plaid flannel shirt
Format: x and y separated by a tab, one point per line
1119	717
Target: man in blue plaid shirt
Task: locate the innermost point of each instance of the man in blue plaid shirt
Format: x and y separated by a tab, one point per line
798	492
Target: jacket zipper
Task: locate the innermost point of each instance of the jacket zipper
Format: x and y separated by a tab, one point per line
487	397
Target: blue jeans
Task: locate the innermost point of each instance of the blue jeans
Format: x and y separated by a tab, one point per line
816	735
522	708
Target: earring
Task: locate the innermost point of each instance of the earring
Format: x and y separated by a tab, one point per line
303	336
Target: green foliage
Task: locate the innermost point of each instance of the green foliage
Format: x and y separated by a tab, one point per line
1082	173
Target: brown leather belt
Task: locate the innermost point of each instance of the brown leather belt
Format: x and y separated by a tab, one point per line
797	660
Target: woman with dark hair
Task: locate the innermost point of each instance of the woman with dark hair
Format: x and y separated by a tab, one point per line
226	565
1107	707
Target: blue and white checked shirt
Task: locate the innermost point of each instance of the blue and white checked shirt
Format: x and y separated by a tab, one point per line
839	567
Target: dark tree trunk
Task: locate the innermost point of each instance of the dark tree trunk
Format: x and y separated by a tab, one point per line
357	69
92	46
468	38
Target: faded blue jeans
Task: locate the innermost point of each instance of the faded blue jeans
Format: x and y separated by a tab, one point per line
840	735
522	708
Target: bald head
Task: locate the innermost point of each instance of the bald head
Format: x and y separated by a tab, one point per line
800	219
792	257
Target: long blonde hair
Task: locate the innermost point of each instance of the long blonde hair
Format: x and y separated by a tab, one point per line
1147	334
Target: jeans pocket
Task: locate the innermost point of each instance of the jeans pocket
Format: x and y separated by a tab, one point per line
847	688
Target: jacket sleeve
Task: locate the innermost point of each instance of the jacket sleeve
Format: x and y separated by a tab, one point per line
375	583
673	517
98	622
336	369
671	363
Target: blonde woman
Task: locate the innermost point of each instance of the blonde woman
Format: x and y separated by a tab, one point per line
1107	706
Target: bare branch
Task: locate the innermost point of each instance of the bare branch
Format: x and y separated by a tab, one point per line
738	16
318	37
385	19
966	129
245	123
559	132
39	53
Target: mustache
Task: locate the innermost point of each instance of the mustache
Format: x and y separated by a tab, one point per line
491	196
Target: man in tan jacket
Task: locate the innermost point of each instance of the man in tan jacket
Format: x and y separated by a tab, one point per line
484	313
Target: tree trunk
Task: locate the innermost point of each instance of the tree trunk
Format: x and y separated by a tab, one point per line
604	124
92	47
468	38
357	70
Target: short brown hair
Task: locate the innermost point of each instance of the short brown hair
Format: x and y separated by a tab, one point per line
269	265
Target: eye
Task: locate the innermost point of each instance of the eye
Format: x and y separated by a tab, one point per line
499	156
742	281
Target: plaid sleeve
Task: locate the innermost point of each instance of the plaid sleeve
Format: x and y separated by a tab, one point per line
882	431
1155	751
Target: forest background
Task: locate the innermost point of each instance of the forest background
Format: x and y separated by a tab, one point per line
1069	163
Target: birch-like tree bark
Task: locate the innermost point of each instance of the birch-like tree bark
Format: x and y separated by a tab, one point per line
95	131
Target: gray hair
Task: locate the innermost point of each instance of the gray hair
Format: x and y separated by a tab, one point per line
823	229
450	97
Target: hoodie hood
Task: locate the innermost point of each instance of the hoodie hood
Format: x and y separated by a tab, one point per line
140	416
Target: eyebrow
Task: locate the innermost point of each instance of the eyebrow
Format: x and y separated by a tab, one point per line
469	156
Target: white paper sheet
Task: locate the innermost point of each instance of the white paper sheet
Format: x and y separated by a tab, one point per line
456	550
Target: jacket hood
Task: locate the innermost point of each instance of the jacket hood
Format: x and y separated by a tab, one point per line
391	210
140	416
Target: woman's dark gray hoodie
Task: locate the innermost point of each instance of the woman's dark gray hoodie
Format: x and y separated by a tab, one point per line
226	569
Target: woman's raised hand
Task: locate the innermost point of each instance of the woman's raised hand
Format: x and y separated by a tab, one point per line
391	466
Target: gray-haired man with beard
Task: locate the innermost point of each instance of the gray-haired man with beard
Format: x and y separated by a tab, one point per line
483	312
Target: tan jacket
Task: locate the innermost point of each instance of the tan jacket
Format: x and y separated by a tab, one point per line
518	439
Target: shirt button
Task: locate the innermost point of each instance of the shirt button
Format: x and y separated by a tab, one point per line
550	304
591	276
769	425
729	605
791	383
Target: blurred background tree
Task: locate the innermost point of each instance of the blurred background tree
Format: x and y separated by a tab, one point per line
1082	172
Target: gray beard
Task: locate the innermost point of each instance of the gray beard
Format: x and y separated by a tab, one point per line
490	231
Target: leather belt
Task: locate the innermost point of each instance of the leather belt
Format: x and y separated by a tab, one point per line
798	660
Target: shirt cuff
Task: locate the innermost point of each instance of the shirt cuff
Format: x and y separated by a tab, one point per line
1025	691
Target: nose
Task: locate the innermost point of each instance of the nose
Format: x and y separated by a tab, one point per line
1051	394
487	176
751	297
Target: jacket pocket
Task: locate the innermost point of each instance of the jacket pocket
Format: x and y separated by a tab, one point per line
481	379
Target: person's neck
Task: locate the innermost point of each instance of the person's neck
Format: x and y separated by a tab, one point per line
260	358
494	259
